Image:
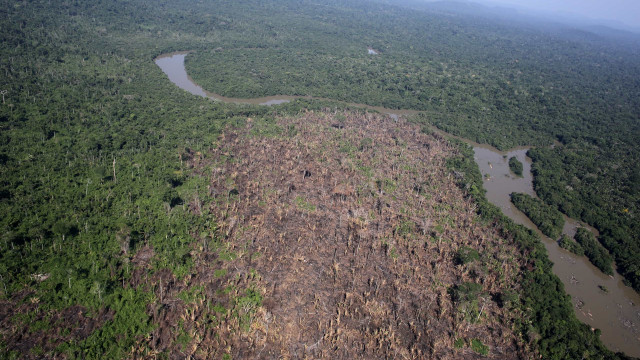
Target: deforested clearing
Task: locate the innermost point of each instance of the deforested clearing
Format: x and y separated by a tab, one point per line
353	241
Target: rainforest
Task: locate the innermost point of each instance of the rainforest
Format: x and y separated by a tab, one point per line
138	220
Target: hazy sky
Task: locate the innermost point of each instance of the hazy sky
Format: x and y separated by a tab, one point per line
624	11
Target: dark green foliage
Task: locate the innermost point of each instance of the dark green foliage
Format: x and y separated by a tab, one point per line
594	251
115	338
82	90
466	292
548	219
597	182
466	296
479	347
593	172
568	243
506	298
553	324
246	306
466	255
515	165
475	78
95	153
466	171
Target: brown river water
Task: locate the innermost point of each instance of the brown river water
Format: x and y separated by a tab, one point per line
616	312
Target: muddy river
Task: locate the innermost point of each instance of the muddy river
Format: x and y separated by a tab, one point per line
615	311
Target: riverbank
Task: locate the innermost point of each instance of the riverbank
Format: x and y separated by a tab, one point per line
614	312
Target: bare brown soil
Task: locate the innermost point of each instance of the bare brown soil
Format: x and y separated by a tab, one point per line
346	227
336	236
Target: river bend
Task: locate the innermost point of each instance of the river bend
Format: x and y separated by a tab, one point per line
615	312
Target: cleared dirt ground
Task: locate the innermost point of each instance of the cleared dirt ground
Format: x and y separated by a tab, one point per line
341	235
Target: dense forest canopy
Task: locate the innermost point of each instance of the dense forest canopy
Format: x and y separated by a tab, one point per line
471	67
548	219
97	147
92	137
495	81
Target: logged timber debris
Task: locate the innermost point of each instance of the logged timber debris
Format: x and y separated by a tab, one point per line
343	241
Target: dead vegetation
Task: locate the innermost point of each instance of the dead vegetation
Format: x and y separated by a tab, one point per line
49	328
340	235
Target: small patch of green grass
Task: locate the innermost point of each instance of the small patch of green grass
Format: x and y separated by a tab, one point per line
301	203
479	347
466	255
393	253
183	338
220	272
405	228
219	309
39	325
191	295
246	306
268	128
346	147
37	350
227	255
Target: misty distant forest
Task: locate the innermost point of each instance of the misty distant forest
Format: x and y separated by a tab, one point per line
125	231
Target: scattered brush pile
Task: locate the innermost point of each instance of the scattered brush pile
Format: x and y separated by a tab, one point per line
343	235
74	323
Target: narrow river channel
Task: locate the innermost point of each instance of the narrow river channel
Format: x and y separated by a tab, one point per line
615	311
